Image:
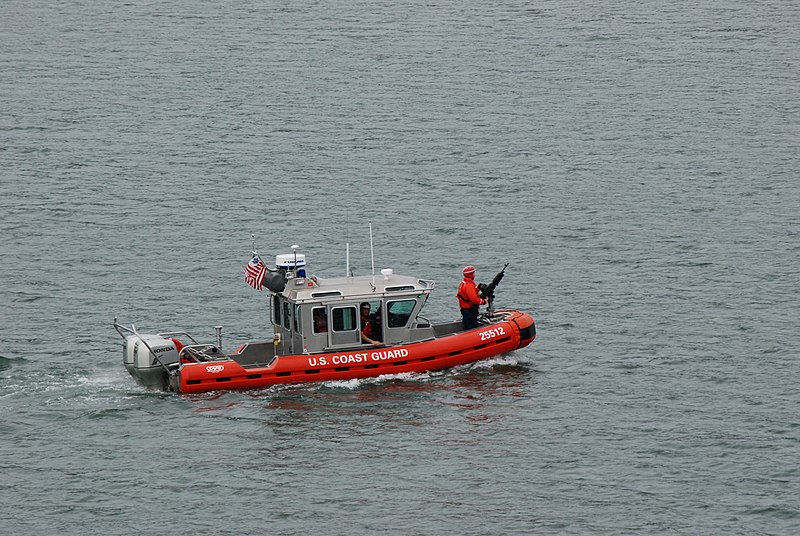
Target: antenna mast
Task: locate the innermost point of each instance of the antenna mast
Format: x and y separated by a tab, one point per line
371	251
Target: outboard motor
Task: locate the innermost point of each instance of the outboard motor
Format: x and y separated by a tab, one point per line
147	358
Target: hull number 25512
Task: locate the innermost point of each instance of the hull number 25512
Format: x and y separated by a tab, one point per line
492	333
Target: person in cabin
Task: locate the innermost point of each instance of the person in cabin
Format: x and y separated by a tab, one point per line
366	325
469	299
320	320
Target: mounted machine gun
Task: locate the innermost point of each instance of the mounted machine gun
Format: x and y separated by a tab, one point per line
487	291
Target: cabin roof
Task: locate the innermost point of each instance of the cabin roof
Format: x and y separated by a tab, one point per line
364	286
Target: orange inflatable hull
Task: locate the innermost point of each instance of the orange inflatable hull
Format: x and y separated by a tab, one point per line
517	330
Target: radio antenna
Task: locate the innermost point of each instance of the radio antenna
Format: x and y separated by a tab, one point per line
371	251
294	249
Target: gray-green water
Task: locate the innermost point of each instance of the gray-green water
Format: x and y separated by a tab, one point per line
635	162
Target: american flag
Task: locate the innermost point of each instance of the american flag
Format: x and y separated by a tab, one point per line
254	272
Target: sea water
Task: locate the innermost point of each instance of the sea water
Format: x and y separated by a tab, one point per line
636	163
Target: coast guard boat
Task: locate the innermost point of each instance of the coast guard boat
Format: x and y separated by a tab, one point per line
319	327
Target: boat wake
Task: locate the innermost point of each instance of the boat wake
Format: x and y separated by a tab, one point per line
507	360
503	361
357	383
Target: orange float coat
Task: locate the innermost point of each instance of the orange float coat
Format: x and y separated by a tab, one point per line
468	294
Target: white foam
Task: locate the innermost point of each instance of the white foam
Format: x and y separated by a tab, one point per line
355	383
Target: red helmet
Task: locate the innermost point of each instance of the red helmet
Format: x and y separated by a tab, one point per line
469	271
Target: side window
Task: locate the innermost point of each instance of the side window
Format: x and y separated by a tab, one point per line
297	323
276	310
287	313
344	318
398	312
371	319
320	315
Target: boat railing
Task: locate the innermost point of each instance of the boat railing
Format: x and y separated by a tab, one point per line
120	328
132	330
200	353
123	330
425	322
491	317
172	334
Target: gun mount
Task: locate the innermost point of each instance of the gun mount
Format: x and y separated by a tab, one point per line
487	291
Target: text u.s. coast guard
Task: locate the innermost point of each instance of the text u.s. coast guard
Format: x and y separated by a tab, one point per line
351	359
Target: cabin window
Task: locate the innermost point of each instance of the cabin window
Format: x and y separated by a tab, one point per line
399	288
398	312
287	314
326	294
344	318
276	310
297	319
320	316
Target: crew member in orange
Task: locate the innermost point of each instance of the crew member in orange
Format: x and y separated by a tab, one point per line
468	298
